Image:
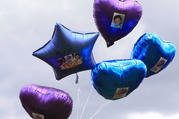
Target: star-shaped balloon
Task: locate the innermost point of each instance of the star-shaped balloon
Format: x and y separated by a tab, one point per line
68	52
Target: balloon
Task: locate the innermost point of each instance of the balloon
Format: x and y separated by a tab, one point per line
45	102
68	52
117	78
116	18
156	54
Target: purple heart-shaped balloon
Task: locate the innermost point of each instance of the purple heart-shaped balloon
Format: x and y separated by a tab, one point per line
45	102
116	18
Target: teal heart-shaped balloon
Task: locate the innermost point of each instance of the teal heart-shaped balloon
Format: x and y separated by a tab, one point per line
118	78
155	53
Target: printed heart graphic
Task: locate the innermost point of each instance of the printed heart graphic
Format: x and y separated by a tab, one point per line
45	102
156	54
118	78
116	18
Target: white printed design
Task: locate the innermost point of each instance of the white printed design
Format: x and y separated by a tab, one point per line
120	93
162	61
38	116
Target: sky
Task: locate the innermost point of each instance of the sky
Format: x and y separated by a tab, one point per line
26	25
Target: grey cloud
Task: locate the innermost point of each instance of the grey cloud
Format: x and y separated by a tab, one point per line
26	25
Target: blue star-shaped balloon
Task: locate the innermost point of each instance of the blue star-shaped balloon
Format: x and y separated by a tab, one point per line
68	52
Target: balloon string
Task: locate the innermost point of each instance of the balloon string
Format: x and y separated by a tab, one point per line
77	78
100	108
78	100
87	100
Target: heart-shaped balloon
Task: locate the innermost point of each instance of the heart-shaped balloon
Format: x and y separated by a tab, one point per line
156	54
45	102
116	18
118	78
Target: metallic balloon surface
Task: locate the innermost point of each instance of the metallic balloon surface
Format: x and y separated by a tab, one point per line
155	53
45	103
116	18
116	79
68	52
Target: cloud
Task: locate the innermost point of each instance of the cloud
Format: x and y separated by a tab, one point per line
121	49
27	25
151	115
15	117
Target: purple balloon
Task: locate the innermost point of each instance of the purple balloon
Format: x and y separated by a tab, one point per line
116	18
45	102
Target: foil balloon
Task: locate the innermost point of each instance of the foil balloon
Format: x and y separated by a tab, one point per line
155	53
45	102
116	18
116	79
68	52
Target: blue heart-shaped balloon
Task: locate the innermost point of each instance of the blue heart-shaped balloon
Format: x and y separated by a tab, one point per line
117	78
156	54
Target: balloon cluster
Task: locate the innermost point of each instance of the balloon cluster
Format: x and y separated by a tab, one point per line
69	52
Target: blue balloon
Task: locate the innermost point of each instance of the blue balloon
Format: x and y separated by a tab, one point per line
156	54
68	52
117	78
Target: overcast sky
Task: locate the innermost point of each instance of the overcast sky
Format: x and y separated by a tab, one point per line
26	25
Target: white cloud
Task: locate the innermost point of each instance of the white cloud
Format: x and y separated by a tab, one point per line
6	103
28	24
152	115
15	117
121	48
